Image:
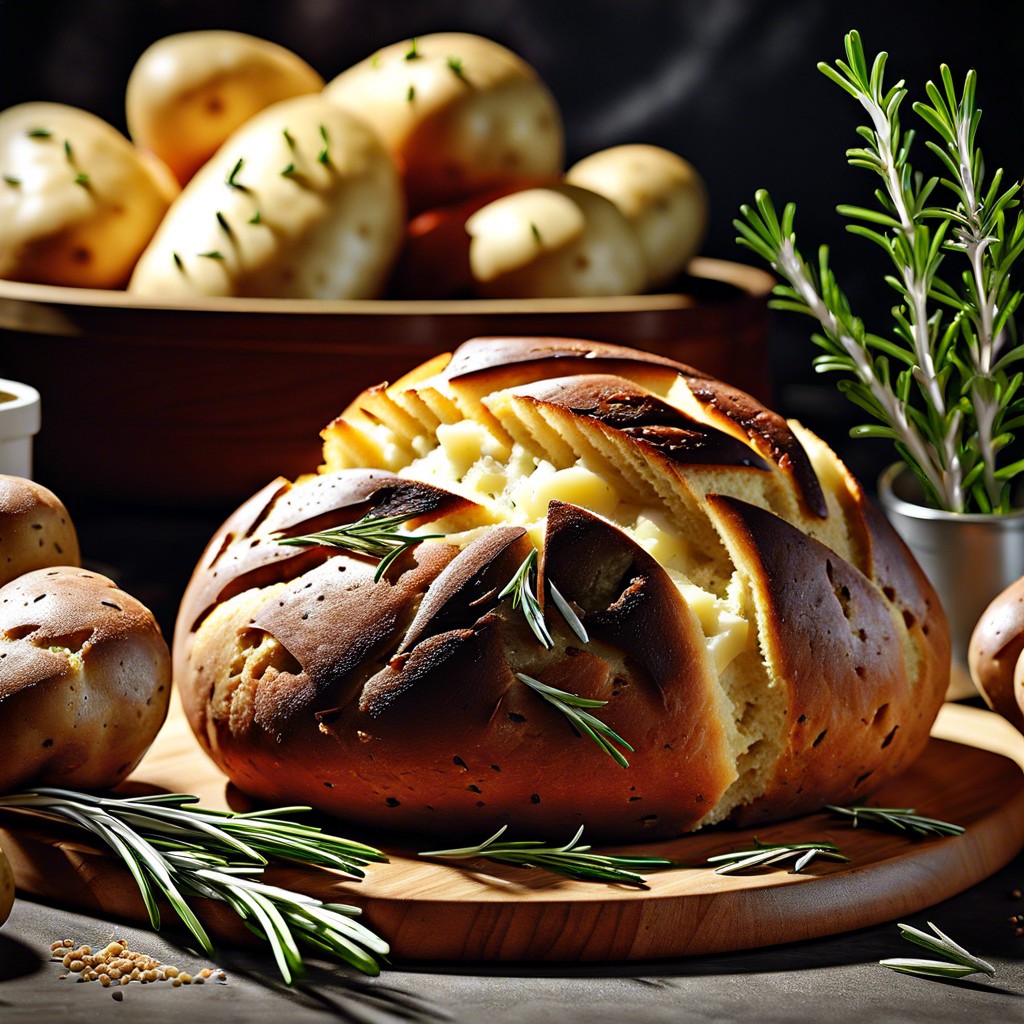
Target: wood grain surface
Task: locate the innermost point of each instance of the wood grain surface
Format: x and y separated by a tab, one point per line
970	774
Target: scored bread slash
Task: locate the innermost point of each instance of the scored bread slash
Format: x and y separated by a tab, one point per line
711	585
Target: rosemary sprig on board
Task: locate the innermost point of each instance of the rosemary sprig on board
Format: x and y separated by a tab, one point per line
765	855
573	860
956	961
377	537
573	707
523	590
178	850
898	819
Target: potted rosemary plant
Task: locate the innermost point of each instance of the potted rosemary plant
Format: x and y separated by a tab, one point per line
944	384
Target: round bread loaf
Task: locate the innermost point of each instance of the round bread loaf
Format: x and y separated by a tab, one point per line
755	636
35	529
84	680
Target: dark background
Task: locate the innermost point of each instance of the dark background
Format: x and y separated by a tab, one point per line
731	85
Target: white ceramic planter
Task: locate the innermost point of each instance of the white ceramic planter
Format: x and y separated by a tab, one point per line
969	558
19	423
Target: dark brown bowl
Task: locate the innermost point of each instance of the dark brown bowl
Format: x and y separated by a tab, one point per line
200	403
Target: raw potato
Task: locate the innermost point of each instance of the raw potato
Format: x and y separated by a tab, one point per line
78	202
460	113
660	194
6	887
85	683
188	92
995	655
553	242
303	201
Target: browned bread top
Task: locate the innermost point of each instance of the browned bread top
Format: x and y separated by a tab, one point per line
757	639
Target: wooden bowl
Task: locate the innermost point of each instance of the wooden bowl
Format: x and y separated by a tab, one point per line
200	403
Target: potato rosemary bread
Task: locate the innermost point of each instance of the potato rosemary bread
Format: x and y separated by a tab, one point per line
754	637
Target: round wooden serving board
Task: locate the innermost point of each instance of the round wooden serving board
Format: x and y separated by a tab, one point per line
970	774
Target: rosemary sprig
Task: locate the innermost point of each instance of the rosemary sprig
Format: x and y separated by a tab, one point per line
765	855
176	849
956	961
573	860
523	590
374	536
899	819
324	155
581	720
943	387
456	66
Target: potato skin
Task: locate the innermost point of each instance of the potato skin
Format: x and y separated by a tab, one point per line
188	92
461	114
553	242
85	680
659	193
994	654
79	202
6	887
35	529
306	218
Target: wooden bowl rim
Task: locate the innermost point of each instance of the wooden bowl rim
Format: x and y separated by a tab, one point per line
750	282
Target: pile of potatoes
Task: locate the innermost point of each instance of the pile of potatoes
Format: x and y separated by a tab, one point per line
432	169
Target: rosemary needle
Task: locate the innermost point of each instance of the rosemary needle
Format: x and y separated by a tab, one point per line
573	860
765	855
522	589
956	961
179	850
573	707
898	819
377	537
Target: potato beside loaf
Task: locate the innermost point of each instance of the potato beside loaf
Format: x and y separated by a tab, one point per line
762	638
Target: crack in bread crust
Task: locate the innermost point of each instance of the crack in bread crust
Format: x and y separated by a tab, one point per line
756	630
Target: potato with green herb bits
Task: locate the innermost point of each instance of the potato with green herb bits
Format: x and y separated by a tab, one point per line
78	202
461	114
188	92
553	242
301	202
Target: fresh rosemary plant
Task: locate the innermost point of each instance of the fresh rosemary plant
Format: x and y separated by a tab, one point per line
573	860
573	707
523	590
898	819
377	537
943	386
764	855
178	850
956	962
